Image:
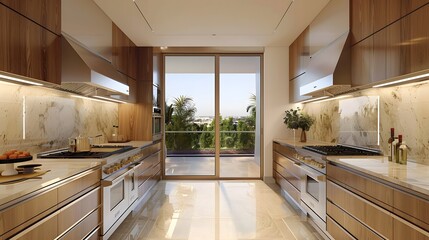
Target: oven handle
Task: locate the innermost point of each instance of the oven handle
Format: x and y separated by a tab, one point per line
317	176
113	180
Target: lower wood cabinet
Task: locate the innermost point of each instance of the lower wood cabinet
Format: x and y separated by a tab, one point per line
53	213
356	207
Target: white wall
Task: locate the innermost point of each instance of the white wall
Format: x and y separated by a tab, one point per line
276	100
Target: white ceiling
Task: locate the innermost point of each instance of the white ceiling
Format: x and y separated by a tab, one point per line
212	23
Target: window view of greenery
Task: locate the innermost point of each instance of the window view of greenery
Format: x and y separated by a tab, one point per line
187	134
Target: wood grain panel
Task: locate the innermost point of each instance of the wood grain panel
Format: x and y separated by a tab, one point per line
378	68
47	13
353	226
336	231
366	212
133	89
132	60
362	60
404	230
120	47
408	6
28	49
286	151
85	227
26	210
150	182
287	187
46	229
413	208
295	181
75	211
419	39
361	20
368	188
74	187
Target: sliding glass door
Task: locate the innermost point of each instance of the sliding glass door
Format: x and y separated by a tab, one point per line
212	116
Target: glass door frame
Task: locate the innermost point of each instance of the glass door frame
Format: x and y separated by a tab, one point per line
216	176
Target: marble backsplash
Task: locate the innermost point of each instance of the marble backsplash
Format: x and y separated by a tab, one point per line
37	119
404	108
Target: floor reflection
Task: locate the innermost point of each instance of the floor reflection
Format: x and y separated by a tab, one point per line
205	210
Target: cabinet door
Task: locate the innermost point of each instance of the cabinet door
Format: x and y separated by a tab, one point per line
362	62
132	61
299	55
418	39
46	13
120	46
294	89
409	6
361	20
28	49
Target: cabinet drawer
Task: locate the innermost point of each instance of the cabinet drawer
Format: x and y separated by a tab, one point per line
336	231
347	222
289	188
292	179
405	230
79	184
85	227
412	208
150	181
149	162
78	209
286	151
288	164
45	229
373	216
23	212
370	189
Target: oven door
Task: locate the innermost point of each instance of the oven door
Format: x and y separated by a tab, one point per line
115	199
313	191
132	186
156	127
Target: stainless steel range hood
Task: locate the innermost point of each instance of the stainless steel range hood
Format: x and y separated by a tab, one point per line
328	72
86	73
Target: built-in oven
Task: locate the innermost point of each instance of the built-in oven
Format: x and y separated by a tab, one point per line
313	195
116	197
156	126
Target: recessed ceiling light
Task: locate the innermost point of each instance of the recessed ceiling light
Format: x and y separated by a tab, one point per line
164	48
214	35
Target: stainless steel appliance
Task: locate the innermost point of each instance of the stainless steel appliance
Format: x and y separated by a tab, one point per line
312	161
156	126
119	183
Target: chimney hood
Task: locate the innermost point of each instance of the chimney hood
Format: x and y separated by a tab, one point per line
85	73
329	70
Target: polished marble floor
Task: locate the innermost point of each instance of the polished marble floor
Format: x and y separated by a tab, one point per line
230	166
218	210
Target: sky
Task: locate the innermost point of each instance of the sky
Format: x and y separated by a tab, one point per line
235	92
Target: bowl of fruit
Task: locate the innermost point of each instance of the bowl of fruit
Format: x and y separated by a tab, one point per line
13	156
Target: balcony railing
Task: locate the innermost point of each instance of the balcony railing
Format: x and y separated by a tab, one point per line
203	142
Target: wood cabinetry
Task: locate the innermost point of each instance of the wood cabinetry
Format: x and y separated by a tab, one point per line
356	205
27	48
46	13
53	213
135	120
124	56
149	170
389	39
287	175
299	54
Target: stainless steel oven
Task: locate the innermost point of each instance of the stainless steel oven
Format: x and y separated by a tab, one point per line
156	126
313	195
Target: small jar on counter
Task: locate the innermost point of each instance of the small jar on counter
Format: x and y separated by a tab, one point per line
403	149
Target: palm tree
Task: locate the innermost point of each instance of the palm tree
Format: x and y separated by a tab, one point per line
182	120
252	106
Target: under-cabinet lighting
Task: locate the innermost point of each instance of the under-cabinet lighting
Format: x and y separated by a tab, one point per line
90	98
110	99
19	80
402	80
336	98
314	99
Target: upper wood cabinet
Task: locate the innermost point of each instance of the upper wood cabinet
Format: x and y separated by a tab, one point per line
46	13
27	48
124	56
299	54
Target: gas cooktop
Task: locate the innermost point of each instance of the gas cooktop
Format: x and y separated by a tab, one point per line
340	150
96	152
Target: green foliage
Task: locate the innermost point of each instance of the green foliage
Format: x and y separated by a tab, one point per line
185	134
295	119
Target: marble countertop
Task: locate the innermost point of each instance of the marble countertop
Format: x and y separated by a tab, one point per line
413	175
297	143
57	172
137	144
